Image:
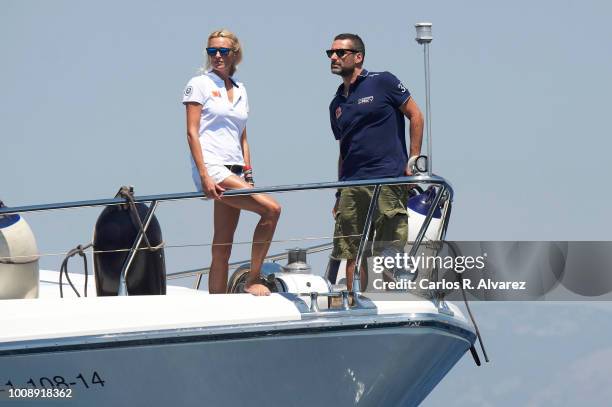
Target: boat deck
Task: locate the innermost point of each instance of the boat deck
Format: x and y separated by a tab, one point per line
182	309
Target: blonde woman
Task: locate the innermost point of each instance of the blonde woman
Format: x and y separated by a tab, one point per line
217	110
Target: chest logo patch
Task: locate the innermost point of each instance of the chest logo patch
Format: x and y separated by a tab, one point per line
367	99
338	112
216	94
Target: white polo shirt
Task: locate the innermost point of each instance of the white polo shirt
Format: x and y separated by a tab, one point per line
222	122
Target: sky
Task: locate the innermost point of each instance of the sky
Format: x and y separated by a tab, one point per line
90	100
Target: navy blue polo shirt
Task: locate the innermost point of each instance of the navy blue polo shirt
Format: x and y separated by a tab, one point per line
370	127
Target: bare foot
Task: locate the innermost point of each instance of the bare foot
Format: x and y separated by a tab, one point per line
256	289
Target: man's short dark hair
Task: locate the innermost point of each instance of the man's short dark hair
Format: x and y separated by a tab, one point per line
355	39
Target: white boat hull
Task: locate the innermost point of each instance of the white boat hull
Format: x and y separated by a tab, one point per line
188	348
389	363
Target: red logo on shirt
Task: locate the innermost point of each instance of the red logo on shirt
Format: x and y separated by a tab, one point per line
338	112
216	93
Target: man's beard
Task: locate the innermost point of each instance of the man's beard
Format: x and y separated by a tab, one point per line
342	71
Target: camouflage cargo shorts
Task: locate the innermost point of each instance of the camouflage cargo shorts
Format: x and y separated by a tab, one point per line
390	221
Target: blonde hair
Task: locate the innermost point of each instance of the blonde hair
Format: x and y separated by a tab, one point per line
236	48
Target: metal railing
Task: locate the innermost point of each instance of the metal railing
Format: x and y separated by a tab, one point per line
444	190
419	179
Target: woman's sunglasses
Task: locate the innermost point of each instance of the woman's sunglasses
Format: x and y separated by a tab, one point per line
341	52
212	51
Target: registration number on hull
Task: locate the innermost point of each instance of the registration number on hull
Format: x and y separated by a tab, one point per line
52	386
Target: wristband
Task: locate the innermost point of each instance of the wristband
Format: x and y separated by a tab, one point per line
248	174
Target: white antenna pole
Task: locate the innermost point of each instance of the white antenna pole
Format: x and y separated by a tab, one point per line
423	31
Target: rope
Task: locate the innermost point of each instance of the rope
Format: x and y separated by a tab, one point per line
453	247
180	246
80	250
128	193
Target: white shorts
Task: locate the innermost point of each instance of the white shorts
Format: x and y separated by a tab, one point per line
218	172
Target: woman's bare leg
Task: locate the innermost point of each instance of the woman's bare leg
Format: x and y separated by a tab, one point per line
269	211
225	222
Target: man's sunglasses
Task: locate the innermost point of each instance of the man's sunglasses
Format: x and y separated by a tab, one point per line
213	51
341	52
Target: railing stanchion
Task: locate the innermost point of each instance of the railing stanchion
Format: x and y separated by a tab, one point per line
128	262
363	242
426	222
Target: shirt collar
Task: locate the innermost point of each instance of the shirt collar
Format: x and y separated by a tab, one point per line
218	80
364	74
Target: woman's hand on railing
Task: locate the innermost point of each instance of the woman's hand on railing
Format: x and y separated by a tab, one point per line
210	189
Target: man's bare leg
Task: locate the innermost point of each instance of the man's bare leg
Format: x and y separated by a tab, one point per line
350	273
